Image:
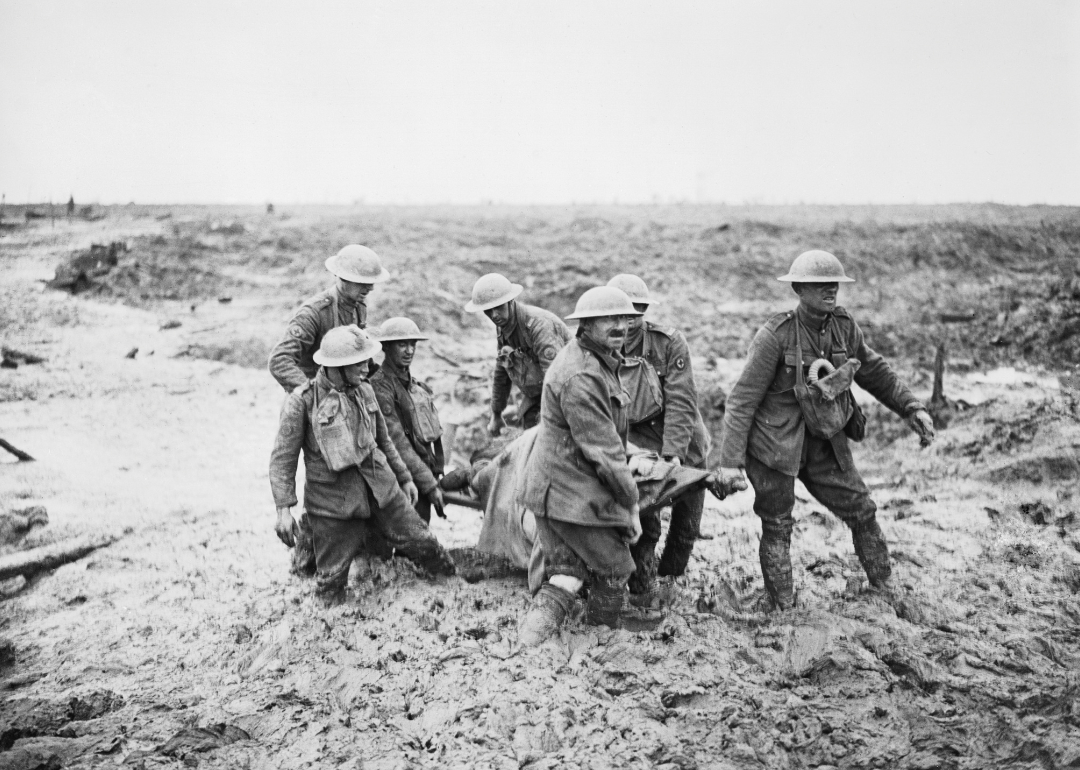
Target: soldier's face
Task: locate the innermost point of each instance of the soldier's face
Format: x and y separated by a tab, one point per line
608	331
634	322
354	290
355	373
400	353
500	316
817	297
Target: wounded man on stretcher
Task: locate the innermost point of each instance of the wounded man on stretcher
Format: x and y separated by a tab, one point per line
509	530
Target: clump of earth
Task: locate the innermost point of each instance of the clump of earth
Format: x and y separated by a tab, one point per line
187	643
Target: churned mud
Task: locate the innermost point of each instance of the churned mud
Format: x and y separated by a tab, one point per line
187	643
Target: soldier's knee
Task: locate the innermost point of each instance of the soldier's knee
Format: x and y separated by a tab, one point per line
862	513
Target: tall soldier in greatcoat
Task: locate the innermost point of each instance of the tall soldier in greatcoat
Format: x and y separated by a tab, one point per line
357	269
528	340
772	428
669	423
409	410
355	480
577	482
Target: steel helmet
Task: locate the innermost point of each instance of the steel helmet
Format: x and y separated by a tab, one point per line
357	264
398	329
490	291
603	301
344	345
816	266
634	287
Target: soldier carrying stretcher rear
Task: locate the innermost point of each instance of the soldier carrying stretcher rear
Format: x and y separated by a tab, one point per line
409	409
356	486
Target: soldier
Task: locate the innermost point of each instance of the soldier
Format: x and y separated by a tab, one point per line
357	269
355	479
671	426
577	482
528	339
769	432
411	417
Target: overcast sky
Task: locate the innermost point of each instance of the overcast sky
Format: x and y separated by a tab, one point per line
546	102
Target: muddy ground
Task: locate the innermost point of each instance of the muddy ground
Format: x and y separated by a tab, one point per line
186	643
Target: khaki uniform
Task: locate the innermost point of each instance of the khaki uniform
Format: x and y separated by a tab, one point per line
577	482
526	347
764	432
674	429
334	428
291	360
413	424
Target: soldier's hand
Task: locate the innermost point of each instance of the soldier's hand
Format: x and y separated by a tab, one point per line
436	498
411	492
712	483
633	532
496	424
285	527
922	423
732	480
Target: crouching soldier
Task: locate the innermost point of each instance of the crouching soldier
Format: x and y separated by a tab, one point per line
409	410
664	419
356	269
355	478
577	482
779	428
528	339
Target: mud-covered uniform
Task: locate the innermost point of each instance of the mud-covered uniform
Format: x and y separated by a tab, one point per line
354	479
527	345
577	482
764	432
292	364
670	424
412	421
291	360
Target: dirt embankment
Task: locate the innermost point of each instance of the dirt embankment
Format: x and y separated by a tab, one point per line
187	643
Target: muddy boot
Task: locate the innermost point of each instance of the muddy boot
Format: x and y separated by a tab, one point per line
430	555
546	615
303	555
607	606
872	551
661	593
330	589
775	553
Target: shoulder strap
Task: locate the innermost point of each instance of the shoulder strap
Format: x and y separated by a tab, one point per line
333	308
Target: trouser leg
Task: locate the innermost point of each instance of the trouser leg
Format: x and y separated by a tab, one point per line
336	543
303	555
423	508
530	418
401	530
682	533
643	553
774	500
845	494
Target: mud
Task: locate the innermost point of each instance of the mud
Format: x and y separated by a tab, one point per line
187	643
